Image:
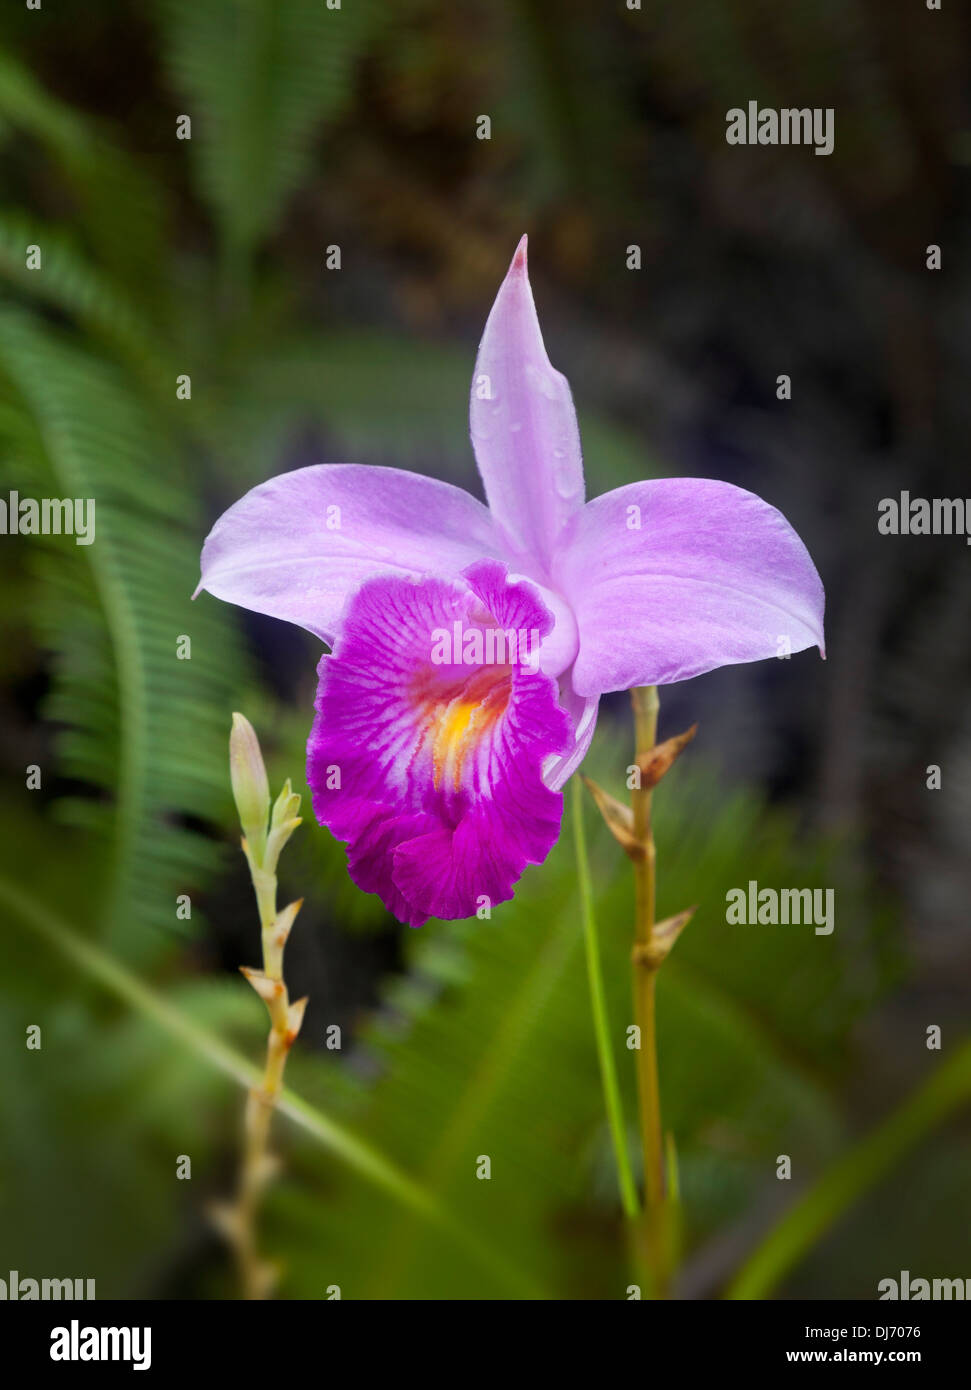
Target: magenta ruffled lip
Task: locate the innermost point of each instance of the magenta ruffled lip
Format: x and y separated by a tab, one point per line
434	722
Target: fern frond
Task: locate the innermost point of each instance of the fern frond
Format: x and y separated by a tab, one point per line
69	282
121	209
259	79
113	612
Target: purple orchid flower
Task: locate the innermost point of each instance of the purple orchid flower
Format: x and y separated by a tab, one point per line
471	644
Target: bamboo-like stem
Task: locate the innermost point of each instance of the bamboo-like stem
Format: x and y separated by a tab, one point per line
645	704
601	1026
265	832
255	1169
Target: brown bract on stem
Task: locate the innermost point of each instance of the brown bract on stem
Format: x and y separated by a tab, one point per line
262	849
632	827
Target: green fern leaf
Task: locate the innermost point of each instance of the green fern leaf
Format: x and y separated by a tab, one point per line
146	728
259	79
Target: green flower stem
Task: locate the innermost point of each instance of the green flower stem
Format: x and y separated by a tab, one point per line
265	832
256	1276
598	1005
947	1090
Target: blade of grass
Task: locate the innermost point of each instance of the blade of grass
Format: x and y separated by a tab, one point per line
598	1006
945	1091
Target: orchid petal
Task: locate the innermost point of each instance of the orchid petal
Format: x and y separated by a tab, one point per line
670	579
582	713
296	546
427	757
523	424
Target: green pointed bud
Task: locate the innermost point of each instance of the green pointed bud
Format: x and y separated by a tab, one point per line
251	790
286	807
279	835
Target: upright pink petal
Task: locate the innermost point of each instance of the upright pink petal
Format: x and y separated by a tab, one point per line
296	546
523	425
672	578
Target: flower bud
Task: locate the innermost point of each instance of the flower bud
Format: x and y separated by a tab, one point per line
286	807
251	790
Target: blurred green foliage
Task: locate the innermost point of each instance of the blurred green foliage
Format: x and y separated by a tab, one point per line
481	1041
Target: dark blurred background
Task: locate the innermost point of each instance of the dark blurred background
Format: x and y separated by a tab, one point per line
356	128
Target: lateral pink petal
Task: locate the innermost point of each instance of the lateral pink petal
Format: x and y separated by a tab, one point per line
669	579
296	546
